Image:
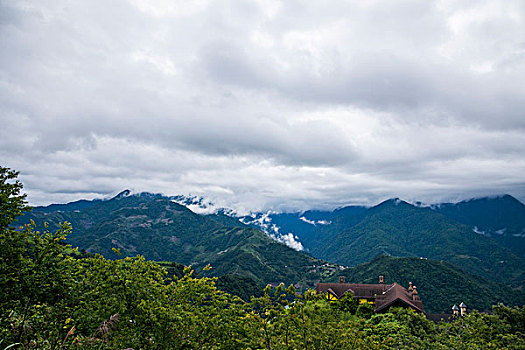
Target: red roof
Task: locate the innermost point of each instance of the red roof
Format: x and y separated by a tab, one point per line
384	295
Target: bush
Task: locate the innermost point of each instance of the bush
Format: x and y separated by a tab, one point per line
365	310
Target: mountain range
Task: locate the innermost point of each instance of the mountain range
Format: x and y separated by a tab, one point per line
444	240
501	218
353	235
160	229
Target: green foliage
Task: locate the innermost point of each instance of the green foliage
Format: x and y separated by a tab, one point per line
287	320
484	331
12	202
348	303
35	281
96	303
243	286
365	310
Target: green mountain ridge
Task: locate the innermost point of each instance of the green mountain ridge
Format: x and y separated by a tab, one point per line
397	228
162	230
502	218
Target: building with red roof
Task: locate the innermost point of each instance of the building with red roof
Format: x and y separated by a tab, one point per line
381	296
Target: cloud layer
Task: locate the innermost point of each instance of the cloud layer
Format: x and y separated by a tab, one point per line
264	104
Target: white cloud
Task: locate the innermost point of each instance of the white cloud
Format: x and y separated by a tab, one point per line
264	222
169	8
163	64
314	222
267	105
291	241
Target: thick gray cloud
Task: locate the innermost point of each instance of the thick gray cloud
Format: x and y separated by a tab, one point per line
264	104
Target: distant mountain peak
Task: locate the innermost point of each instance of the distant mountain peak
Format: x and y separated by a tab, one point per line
122	194
496	198
393	202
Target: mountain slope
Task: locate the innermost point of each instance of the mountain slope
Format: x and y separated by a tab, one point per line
440	284
159	229
501	218
397	228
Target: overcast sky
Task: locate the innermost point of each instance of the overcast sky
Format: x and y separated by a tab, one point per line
264	104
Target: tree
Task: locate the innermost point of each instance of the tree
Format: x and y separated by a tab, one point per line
365	310
35	270
12	243
348	303
12	202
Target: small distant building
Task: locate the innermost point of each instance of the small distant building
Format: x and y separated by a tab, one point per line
459	311
381	296
456	312
463	308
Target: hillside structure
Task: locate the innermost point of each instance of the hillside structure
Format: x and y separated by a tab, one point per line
381	296
456	309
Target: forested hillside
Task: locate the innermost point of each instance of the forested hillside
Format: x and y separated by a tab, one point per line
159	229
440	284
397	228
482	236
501	218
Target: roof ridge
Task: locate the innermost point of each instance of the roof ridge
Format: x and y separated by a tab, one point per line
409	302
392	286
348	290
